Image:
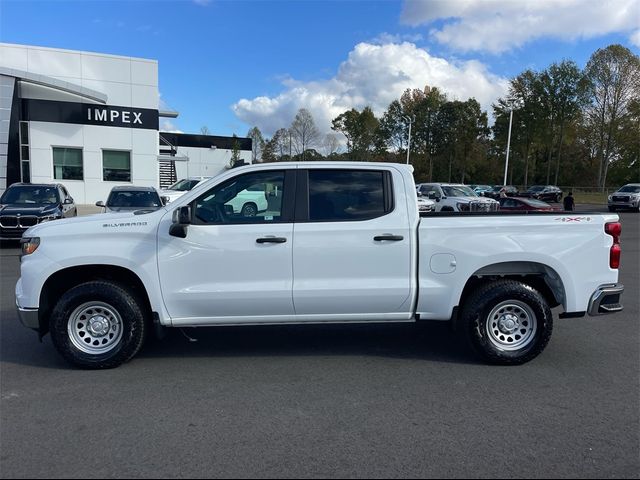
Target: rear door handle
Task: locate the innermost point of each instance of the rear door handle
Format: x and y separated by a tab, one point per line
271	240
387	237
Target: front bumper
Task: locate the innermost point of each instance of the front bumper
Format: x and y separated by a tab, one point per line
606	299
28	317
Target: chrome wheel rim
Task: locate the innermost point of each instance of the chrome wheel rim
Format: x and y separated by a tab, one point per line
511	325
95	328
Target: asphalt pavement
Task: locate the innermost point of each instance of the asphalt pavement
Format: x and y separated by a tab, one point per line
328	401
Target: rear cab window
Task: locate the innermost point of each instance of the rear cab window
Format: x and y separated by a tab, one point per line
338	195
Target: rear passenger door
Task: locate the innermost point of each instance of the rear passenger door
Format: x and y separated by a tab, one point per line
352	246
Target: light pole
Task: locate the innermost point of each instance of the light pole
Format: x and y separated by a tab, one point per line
410	121
506	163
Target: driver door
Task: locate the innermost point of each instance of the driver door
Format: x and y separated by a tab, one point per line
235	264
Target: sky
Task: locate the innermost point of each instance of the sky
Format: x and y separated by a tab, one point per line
230	65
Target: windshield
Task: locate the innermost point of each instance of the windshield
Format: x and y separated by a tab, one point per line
184	185
458	191
31	195
630	189
134	199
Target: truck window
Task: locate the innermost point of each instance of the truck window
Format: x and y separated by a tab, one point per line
347	195
250	198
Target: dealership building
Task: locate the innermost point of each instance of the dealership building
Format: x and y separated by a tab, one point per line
92	121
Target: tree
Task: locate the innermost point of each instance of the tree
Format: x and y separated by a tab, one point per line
257	144
360	130
613	82
330	145
304	133
204	130
235	152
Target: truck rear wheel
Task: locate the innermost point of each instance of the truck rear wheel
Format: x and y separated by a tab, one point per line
97	325
507	322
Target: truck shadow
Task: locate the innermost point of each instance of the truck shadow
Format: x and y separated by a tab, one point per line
424	341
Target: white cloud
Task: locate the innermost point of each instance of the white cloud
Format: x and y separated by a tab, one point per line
372	75
168	126
501	25
635	39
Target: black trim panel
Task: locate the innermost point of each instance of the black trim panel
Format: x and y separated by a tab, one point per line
205	141
89	114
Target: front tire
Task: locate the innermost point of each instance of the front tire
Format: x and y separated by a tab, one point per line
612	209
507	322
249	210
98	325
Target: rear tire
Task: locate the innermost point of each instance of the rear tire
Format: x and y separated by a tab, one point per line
507	322
98	325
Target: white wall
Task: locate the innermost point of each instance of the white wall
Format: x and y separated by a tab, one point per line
127	82
206	162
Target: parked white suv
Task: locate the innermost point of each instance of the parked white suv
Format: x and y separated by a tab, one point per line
452	197
181	187
626	197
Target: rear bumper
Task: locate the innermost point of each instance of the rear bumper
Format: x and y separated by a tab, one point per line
606	299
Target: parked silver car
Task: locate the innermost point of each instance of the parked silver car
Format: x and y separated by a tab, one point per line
627	197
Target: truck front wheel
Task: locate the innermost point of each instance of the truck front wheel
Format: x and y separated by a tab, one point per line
507	322
97	325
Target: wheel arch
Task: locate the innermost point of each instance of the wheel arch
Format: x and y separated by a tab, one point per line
67	278
537	275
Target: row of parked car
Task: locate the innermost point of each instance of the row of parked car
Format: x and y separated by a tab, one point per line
485	198
25	205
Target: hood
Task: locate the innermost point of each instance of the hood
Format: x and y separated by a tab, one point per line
29	209
172	194
130	209
475	199
91	224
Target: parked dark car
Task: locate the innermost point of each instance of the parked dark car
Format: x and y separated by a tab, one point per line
510	191
130	198
547	193
24	205
518	204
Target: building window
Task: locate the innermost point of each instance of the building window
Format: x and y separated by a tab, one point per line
67	164
25	166
116	166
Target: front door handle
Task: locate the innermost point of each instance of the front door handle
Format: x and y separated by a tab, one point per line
387	237
271	240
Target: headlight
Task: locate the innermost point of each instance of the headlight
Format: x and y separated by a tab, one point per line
29	245
610	197
48	218
463	207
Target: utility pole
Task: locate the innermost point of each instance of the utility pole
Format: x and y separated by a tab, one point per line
506	163
410	121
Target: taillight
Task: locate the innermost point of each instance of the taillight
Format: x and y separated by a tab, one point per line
614	229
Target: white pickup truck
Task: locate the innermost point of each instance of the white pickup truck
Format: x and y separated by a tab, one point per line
344	242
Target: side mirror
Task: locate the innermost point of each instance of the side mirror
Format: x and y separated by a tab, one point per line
181	220
68	201
434	196
99	204
164	200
